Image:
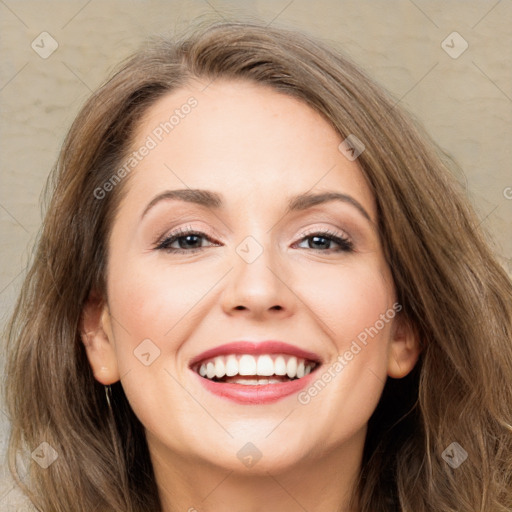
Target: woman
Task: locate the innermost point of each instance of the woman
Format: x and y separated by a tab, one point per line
259	288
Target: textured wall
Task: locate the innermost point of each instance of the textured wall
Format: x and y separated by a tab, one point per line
464	101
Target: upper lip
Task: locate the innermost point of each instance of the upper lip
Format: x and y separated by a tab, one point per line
255	347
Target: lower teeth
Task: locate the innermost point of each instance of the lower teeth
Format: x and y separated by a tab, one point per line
252	382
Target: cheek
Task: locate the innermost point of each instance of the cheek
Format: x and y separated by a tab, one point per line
155	302
150	297
153	311
356	309
349	299
355	306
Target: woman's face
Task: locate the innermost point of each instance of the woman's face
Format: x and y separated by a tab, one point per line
240	167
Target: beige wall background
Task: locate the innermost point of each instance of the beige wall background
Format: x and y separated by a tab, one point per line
463	96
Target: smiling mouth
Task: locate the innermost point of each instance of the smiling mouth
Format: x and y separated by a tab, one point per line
252	370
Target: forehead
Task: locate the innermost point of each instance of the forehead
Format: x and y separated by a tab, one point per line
244	140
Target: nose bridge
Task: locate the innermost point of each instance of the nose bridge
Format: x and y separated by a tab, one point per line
256	282
255	256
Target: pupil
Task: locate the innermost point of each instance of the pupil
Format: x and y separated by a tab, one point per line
189	240
316	238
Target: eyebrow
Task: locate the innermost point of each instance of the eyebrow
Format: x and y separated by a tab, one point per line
210	199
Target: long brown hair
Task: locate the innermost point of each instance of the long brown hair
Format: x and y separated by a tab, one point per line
450	285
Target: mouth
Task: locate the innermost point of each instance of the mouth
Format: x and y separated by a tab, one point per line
255	373
250	370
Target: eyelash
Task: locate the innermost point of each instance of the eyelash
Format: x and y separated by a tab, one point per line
164	245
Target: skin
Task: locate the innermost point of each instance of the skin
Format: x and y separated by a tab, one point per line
257	148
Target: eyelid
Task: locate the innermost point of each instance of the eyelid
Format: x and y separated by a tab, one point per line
183	230
339	237
305	232
334	227
333	231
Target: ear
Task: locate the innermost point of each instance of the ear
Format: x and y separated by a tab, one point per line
404	348
97	337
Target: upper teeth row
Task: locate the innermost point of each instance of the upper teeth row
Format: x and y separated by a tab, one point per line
247	364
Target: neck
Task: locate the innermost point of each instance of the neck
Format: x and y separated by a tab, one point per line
316	484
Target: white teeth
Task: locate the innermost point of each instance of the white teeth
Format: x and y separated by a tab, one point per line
247	365
231	366
256	382
220	368
265	365
248	382
210	370
300	370
291	367
280	366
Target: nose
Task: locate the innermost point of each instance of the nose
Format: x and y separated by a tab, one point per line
259	289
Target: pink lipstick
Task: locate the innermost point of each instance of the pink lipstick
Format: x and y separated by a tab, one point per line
255	372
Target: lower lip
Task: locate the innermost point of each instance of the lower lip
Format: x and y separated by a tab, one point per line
255	394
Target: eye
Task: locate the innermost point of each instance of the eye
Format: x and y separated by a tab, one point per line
187	241
190	241
325	238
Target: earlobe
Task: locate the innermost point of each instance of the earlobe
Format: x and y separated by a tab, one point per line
98	339
404	349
